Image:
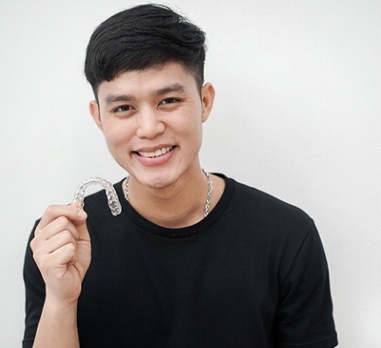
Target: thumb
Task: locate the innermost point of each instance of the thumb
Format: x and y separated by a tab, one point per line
80	222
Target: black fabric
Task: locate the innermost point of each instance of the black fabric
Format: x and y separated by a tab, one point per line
251	274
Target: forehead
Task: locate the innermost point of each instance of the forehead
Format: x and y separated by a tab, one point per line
149	81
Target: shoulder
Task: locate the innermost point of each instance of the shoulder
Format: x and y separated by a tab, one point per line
268	219
266	208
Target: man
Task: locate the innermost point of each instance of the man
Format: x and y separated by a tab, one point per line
195	259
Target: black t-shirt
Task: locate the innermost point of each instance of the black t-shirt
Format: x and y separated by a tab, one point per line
251	274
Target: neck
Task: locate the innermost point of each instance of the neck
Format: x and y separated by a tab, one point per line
181	204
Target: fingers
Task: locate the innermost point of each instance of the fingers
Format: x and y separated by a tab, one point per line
60	225
73	212
54	257
62	250
57	241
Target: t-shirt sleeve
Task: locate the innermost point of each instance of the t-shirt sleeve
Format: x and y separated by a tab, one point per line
304	314
34	295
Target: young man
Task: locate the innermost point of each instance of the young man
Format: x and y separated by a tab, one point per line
195	259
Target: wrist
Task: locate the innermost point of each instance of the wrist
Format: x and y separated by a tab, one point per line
59	304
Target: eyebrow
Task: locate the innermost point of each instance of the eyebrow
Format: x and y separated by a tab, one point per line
115	98
176	87
112	98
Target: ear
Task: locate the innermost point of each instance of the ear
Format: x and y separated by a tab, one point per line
94	111
207	99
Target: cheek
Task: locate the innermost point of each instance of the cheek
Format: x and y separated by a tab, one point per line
115	134
192	132
195	124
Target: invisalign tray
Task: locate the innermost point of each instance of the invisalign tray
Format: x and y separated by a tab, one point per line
112	197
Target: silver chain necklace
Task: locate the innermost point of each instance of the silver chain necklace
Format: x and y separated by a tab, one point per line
208	197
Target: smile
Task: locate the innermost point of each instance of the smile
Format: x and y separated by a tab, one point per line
157	153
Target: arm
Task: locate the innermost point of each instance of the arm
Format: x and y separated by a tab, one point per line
62	251
304	315
57	326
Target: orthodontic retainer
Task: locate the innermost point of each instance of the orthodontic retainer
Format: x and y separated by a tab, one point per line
112	197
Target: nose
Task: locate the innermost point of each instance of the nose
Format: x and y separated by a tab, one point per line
150	124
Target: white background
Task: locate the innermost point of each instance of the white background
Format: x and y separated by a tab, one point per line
297	114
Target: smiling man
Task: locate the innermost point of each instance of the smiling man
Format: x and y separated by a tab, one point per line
195	259
152	121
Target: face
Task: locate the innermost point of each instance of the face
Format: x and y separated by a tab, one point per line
152	122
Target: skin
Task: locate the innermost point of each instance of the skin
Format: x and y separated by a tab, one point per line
62	250
139	112
144	111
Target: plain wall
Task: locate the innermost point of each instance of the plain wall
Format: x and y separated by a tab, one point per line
297	114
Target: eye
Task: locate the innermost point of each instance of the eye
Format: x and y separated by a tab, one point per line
171	100
122	108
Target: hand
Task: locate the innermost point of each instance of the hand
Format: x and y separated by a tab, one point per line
62	250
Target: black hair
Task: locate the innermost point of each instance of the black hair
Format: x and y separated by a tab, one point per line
142	37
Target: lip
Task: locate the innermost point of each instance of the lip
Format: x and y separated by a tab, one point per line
153	156
155	151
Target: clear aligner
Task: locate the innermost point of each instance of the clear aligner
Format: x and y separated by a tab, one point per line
112	197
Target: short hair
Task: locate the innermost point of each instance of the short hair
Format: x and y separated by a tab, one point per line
142	37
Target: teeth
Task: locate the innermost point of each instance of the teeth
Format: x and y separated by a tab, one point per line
156	153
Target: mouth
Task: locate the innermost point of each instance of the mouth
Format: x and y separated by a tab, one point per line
156	153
